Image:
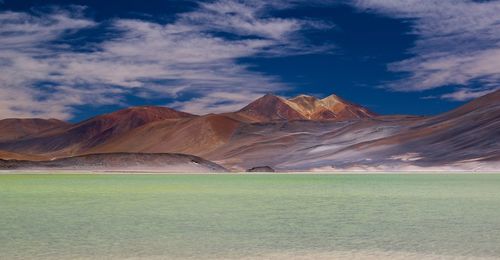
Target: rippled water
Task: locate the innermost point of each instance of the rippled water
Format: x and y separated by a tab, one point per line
249	216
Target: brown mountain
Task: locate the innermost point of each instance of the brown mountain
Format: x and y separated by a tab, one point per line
301	133
269	108
80	137
12	129
470	132
466	138
198	136
101	128
273	108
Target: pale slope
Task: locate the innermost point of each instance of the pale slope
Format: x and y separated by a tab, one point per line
468	134
121	162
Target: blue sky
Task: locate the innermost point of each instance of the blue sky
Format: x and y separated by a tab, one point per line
73	61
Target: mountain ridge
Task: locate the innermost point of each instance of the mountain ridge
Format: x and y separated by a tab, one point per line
299	133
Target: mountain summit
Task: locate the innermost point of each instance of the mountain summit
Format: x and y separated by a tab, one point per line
270	108
302	107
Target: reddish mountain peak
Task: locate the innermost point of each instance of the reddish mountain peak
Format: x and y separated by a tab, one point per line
265	100
270	108
328	108
100	128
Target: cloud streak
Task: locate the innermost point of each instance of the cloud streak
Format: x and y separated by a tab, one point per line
24	53
458	44
42	77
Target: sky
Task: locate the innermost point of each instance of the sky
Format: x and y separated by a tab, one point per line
72	60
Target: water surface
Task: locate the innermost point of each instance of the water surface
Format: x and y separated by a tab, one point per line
249	216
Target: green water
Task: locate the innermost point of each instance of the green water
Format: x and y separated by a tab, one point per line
234	216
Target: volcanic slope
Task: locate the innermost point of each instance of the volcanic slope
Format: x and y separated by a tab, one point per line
79	138
199	136
13	129
465	138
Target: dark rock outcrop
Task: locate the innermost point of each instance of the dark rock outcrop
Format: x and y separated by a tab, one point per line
261	169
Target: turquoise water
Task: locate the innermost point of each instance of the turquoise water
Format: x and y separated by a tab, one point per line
259	216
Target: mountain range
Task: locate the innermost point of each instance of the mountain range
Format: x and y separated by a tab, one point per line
303	133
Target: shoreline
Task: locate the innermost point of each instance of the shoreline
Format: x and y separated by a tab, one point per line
92	172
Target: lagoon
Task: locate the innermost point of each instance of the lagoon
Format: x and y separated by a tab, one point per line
239	216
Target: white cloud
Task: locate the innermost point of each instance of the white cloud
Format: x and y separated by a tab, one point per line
465	94
23	61
458	43
184	56
216	102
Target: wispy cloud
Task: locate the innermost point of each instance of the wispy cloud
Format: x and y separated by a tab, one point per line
465	94
42	77
25	51
458	44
